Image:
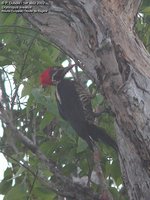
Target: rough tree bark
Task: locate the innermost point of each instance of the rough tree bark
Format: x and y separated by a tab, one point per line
100	34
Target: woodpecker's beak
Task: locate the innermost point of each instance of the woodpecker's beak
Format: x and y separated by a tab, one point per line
59	73
66	69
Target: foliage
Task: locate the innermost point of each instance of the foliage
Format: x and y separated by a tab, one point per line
24	54
143	24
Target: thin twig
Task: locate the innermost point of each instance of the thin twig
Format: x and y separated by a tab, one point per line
32	186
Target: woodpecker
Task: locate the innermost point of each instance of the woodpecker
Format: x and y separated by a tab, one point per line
75	106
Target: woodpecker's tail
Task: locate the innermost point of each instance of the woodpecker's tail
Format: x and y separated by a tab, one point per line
97	133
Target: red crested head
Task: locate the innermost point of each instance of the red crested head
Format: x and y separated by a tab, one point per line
53	75
46	77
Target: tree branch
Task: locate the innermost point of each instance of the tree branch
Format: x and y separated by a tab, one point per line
105	193
64	186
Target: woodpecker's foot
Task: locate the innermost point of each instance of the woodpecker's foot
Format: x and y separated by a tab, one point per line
93	94
103	110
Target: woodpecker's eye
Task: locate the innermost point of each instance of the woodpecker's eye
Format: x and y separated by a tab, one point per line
57	75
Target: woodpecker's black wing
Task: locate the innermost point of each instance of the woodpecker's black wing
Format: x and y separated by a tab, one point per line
73	110
69	104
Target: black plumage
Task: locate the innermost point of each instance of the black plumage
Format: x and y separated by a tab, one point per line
75	107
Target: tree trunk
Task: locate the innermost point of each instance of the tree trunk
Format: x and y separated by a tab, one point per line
100	34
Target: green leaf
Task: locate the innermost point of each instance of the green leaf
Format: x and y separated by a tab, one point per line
2	58
145	3
10	19
19	172
37	93
146	10
115	170
45	147
6	183
17	192
115	193
82	145
26	89
4	187
45	121
44	194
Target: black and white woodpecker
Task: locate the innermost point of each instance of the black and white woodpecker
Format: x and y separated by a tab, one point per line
74	106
